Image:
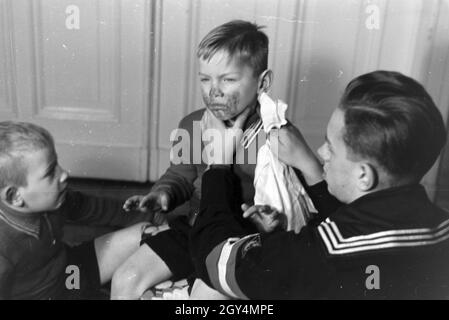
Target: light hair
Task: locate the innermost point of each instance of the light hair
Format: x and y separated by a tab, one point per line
239	39
17	139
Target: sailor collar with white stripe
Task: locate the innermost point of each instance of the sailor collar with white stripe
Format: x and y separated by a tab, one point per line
252	128
29	223
392	218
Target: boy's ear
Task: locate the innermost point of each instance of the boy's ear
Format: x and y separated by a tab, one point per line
265	80
11	196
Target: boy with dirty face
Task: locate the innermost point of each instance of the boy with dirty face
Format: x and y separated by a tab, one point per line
233	61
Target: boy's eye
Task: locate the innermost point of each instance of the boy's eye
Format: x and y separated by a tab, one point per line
204	79
51	174
230	80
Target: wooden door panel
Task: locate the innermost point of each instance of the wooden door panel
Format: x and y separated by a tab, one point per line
89	85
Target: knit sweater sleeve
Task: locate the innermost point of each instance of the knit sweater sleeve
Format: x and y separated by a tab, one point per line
179	178
99	211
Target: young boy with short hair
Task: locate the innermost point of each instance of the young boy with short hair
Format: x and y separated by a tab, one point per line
34	204
233	61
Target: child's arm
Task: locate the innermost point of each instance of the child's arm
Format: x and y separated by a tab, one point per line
265	218
99	211
175	186
173	189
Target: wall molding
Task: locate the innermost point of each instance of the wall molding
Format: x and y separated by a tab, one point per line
155	89
7	39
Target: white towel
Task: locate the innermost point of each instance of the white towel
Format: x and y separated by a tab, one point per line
276	184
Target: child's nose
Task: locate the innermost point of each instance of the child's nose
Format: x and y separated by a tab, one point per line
64	176
321	153
215	91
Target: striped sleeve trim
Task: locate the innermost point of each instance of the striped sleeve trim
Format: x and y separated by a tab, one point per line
212	265
336	244
221	264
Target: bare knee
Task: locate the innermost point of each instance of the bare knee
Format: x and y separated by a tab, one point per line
139	227
127	283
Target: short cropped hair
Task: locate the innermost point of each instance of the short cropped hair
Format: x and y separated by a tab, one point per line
16	139
240	39
391	119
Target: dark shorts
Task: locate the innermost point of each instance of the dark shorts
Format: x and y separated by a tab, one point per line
172	246
85	259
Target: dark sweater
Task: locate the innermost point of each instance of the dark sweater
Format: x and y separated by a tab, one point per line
33	257
390	244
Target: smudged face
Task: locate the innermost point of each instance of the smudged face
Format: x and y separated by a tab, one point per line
228	86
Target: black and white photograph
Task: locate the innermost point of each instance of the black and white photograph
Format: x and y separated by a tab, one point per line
247	152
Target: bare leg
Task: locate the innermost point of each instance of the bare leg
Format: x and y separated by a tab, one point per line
141	270
114	248
201	291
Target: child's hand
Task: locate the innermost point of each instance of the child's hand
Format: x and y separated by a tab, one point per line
229	138
154	230
154	201
264	217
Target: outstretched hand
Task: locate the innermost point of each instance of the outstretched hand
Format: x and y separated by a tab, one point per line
155	202
264	217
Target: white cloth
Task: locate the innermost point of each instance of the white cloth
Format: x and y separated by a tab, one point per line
276	184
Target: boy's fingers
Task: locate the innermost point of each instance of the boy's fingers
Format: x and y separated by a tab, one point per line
272	226
268	211
153	230
259	222
145	202
163	198
126	204
244	207
250	211
150	229
130	202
